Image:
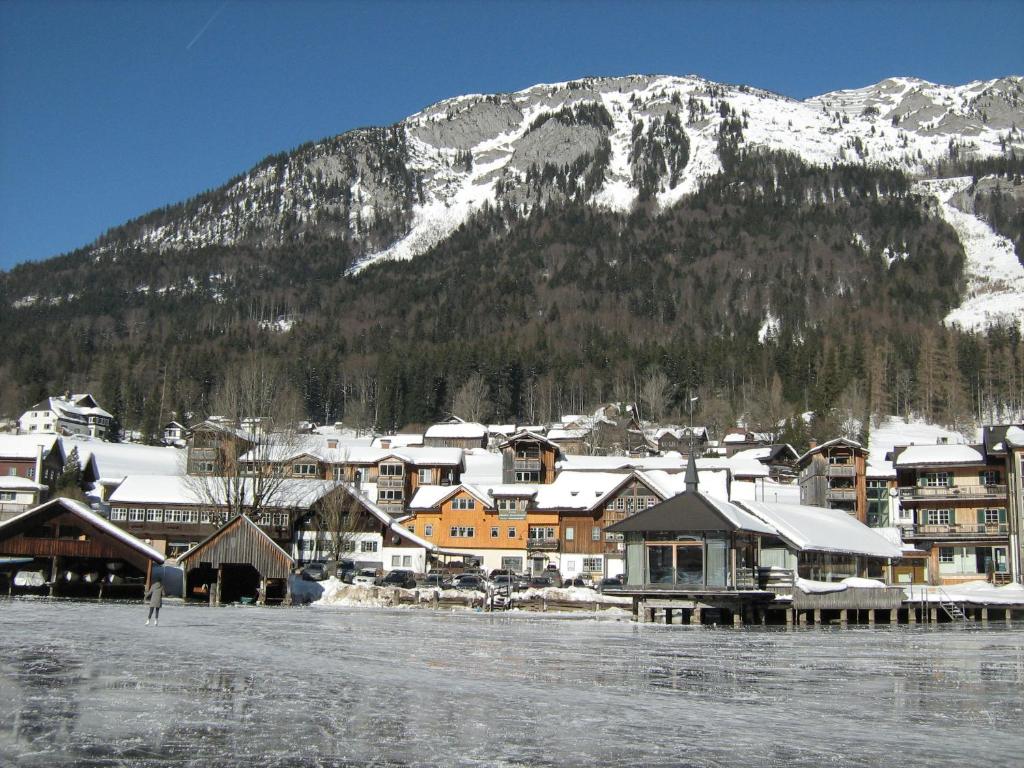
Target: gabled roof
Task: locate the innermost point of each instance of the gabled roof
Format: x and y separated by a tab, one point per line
692	512
822	530
468	430
272	553
938	455
838	441
24	446
80	510
393	525
525	434
432	496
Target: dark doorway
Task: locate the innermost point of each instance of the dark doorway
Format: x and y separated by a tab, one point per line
239	580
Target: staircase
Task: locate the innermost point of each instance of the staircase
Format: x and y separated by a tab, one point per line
954	610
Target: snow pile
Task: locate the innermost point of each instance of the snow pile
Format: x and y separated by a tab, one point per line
809	587
570	595
969	592
339	594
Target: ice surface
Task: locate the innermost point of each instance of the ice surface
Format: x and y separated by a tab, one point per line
88	683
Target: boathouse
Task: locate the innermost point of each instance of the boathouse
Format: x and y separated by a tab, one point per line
692	552
72	551
238	563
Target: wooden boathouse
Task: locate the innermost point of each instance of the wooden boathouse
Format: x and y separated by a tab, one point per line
78	553
238	563
691	553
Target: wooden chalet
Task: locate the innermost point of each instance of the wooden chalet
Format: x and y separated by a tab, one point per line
77	552
834	475
239	562
527	457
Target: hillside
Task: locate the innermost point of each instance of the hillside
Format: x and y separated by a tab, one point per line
564	241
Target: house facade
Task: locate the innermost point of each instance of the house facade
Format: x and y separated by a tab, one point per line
66	415
833	475
957	499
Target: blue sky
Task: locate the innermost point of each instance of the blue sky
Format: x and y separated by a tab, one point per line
110	109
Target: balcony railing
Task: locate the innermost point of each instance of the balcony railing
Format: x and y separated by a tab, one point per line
541	545
917	493
840	470
960	530
390	481
841	494
528	465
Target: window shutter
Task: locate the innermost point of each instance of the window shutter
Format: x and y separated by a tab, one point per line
1002	519
981	520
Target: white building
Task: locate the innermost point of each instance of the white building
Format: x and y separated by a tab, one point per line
66	415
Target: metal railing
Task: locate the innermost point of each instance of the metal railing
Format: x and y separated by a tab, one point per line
953	492
961	529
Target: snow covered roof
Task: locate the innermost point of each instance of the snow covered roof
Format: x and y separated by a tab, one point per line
582	463
582	490
402	440
18	483
501	429
117	460
693	512
747	468
753	454
526	434
710	481
355	454
820	529
394	526
469	430
567	434
894	431
24	446
1014	437
880	470
81	510
196	491
923	455
829	444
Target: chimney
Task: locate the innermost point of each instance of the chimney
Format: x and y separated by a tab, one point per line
332	443
39	464
385	443
812	444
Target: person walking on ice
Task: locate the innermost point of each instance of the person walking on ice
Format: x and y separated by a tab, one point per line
154	598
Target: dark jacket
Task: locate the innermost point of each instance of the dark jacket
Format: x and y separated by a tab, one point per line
155	594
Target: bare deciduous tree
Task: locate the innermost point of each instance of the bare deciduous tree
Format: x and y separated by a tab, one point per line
471	400
258	414
654	391
338	517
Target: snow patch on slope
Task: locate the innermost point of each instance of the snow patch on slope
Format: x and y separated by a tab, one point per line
995	277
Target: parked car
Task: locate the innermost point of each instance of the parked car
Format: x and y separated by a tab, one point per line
367	577
611	582
437	579
399	578
541	582
314	571
346	570
470	581
520	582
500	572
504	581
576	581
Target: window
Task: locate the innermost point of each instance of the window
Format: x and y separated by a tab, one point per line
118	513
992	516
428	530
463	504
595	533
541	532
280	519
206	517
192	516
512	532
203	467
495	532
989	477
389	494
172	516
305	470
426	476
839	459
263	518
30	473
570	533
945	554
406	561
613	537
368	546
506	505
137	515
392	470
528	477
462	532
593	565
514	564
396	560
937	516
935	479
339	473
154	515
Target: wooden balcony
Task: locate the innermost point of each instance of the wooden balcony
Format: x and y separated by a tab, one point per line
841	494
541	545
391	481
842	470
960	531
527	465
916	493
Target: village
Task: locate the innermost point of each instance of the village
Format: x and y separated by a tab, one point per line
597	511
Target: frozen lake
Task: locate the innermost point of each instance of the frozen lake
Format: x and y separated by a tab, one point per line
89	684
